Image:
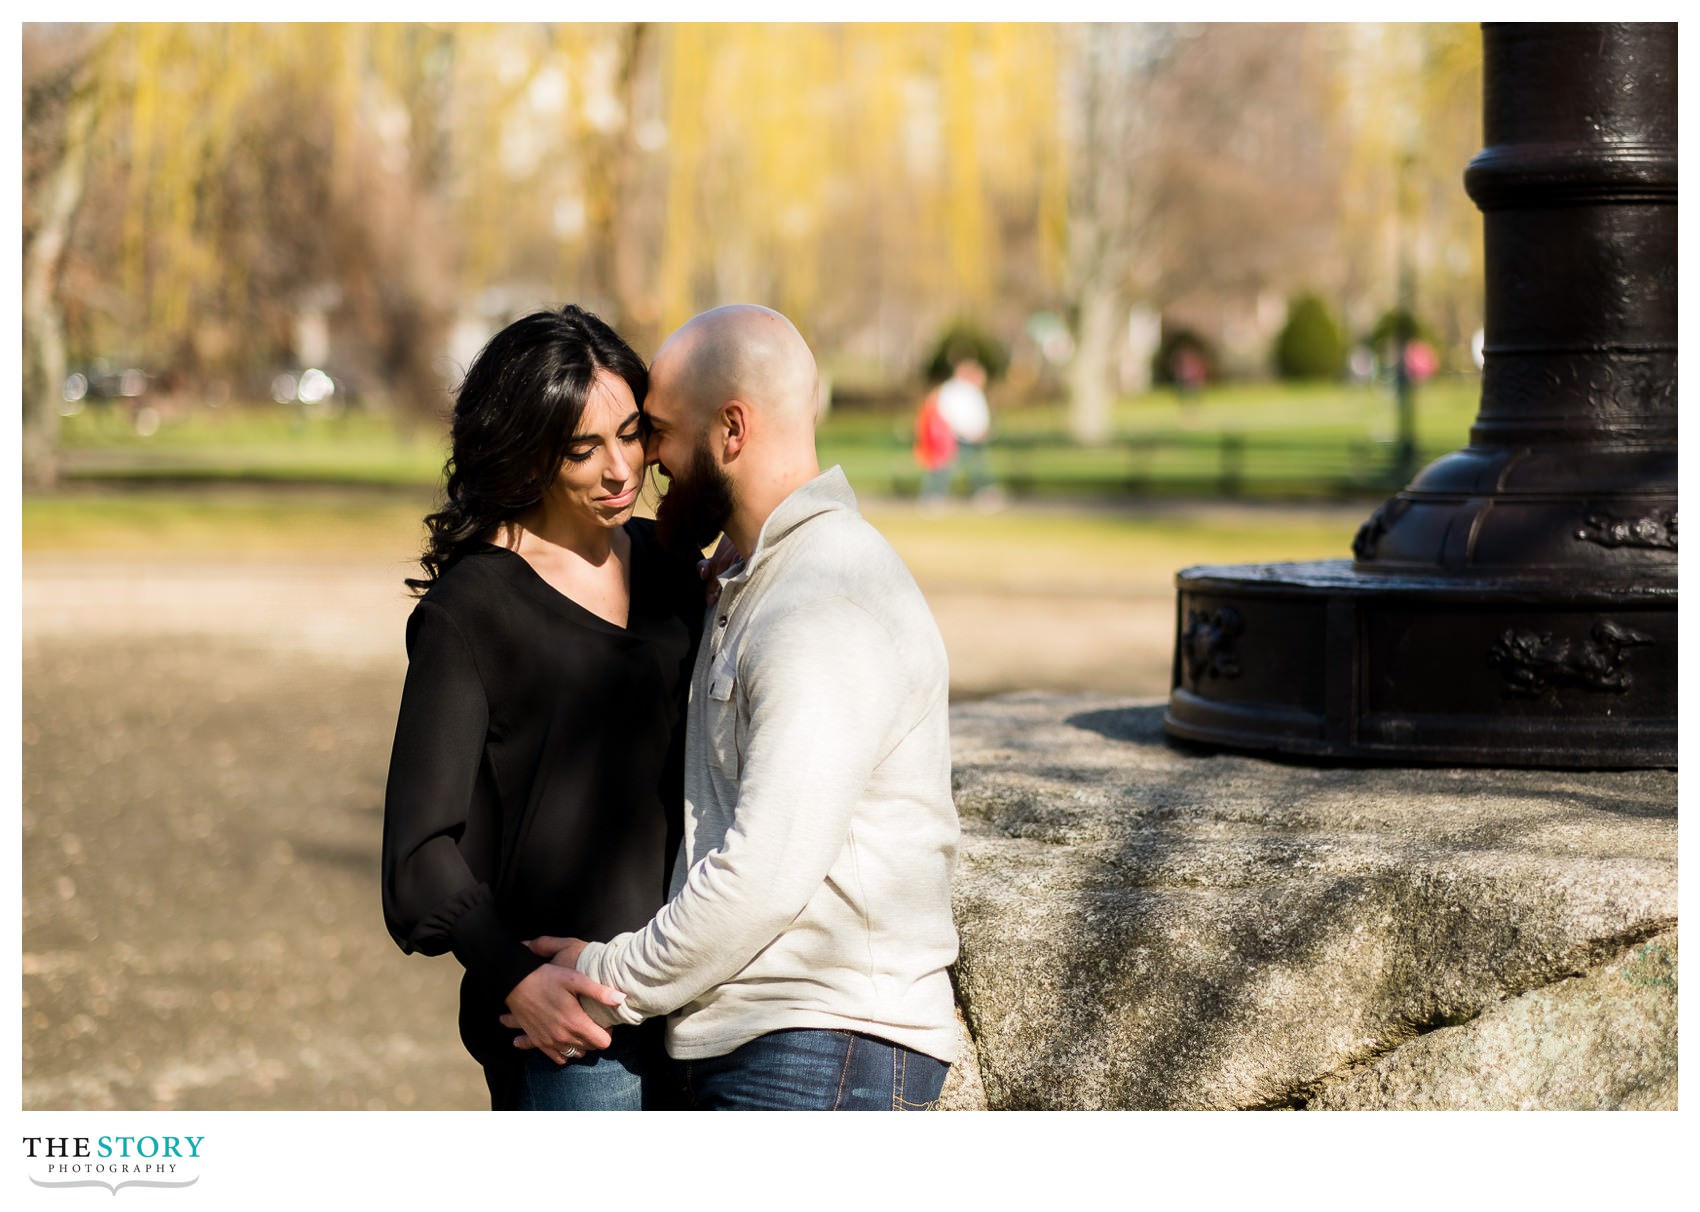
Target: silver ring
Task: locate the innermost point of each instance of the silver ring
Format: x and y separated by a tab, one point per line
570	1053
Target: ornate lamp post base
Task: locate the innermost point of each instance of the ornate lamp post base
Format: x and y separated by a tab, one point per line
1321	660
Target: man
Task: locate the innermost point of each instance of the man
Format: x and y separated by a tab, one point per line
803	954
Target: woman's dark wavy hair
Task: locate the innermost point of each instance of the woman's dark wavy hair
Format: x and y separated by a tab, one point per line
515	411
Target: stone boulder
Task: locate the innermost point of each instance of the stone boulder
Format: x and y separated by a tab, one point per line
1604	1041
1147	926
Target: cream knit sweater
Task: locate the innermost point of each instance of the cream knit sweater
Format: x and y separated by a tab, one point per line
813	884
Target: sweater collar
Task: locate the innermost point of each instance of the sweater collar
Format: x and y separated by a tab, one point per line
829	492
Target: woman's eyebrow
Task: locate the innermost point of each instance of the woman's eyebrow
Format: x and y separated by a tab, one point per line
592	439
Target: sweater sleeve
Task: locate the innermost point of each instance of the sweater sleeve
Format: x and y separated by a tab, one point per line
824	690
432	900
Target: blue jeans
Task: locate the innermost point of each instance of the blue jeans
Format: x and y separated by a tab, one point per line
971	458
631	1074
814	1070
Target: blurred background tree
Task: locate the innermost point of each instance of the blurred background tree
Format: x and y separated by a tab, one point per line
222	205
1206	173
1410	98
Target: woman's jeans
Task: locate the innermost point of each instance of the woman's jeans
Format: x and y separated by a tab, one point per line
814	1070
631	1074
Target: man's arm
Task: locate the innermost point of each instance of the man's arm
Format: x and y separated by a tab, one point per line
824	688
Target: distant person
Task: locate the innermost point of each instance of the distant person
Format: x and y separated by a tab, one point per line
1420	361
1189	371
536	778
962	403
935	450
804	956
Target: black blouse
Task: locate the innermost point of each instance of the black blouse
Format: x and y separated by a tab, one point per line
536	781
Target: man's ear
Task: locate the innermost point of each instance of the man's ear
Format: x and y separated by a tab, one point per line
735	421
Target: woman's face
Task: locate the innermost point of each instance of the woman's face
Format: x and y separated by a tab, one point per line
600	477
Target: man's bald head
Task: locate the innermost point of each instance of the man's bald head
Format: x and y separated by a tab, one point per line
743	352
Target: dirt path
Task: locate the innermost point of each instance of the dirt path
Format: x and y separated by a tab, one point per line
354	612
204	755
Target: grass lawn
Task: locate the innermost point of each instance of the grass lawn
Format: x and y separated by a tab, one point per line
253	442
1271	440
265	481
1263	440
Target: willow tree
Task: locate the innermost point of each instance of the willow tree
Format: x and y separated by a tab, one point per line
555	142
193	179
864	178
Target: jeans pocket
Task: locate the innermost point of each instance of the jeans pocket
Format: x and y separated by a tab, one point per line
917	1081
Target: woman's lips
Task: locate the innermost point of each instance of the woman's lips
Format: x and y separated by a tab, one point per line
621	499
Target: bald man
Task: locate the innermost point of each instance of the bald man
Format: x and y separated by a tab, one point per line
803	955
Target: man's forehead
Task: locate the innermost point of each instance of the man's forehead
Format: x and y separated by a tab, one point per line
658	406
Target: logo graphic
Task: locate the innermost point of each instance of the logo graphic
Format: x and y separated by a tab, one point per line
115	1187
114	1162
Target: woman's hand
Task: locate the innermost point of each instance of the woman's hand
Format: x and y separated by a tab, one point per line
724	559
564	951
545	1005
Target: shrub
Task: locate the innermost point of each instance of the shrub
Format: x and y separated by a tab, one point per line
1310	344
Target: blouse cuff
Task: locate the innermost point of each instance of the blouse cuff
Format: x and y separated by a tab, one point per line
483	943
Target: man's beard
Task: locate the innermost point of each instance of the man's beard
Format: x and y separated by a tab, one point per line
696	505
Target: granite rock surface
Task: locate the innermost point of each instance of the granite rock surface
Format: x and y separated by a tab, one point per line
1149	926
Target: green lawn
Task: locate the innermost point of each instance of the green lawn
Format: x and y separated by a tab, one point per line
253	442
1262	440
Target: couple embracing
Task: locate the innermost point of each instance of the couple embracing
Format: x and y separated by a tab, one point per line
686	824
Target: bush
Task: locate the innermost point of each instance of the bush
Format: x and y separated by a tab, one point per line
965	339
1310	344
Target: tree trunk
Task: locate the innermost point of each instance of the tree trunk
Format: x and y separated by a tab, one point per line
43	323
1091	386
632	230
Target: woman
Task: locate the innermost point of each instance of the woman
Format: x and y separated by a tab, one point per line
535	783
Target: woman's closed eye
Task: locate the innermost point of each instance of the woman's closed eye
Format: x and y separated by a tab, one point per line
578	454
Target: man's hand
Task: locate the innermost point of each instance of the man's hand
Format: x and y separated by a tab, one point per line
545	1005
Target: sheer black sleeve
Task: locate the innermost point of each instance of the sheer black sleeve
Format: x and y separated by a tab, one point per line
433	902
